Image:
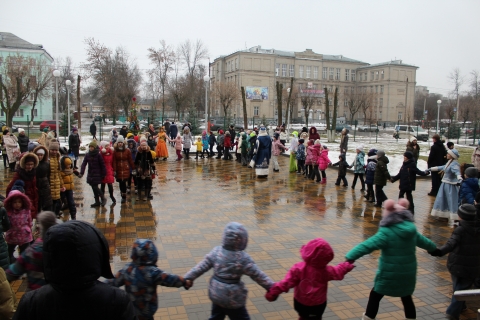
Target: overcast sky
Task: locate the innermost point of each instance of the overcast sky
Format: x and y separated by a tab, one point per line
436	36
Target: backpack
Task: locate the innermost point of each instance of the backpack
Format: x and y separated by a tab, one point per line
371	166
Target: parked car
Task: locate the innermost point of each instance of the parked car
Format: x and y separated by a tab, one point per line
14	128
98	118
340	127
368	128
50	124
405	132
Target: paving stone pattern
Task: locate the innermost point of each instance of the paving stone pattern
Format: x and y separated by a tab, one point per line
193	200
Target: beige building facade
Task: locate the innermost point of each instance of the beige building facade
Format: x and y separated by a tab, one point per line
391	84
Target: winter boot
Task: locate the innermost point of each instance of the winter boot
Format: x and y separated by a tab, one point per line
124	197
139	195
113	199
96	204
365	317
149	194
324	181
104	201
144	196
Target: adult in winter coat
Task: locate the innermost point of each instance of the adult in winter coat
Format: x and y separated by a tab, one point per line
107	155
123	132
313	134
122	166
370	174
173	130
23	140
43	179
397	238
469	187
144	168
75	255
7	297
263	153
464	259
476	156
74	143
4	227
27	172
381	177
93	130
436	158
56	181
358	166
96	172
414	148
187	142
408	177
10	143
229	262
344	141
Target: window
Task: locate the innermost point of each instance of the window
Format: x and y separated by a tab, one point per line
300	72
352	90
35	113
315	72
255	111
292	71
365	76
381	89
277	69
376	89
376	75
331	73
324	72
353	75
381	103
284	70
330	89
345	103
371	76
309	71
400	116
337	76
314	87
346	89
347	74
19	113
381	74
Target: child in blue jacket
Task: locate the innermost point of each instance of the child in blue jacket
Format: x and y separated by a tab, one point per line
370	174
469	187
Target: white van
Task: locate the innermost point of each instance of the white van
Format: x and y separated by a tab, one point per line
406	132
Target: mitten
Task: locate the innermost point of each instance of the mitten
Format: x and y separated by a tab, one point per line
80	175
436	253
270	296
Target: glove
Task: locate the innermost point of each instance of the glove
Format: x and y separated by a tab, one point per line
187	284
270	296
436	253
80	176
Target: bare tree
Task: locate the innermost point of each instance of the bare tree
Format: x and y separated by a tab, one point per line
65	66
177	87
367	100
41	85
225	93
192	53
354	100
129	78
308	98
457	79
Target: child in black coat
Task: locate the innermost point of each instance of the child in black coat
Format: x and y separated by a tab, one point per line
342	170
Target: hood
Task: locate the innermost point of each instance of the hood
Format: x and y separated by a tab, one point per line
15	194
131	141
342	155
66	163
372	158
472	183
29	156
45	157
75	254
235	237
317	146
383	159
312	130
394	220
144	252
140	150
317	253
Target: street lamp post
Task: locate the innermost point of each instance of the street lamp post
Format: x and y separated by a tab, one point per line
207	124
68	83
56	74
439	102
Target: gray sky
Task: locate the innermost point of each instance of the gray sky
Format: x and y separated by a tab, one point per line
435	35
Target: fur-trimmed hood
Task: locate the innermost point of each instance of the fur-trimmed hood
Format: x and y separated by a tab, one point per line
45	157
29	156
64	165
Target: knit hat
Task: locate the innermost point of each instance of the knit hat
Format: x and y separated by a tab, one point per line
413	139
295	133
45	130
93	144
68	162
129	135
467	212
380	153
359	147
120	139
453	153
390	206
325	147
32	145
40	151
20	130
220	132
54	145
253	134
19	185
143	139
104	144
317	141
471	172
47	219
372	152
408	155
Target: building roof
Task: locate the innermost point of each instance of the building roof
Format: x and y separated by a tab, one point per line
389	63
11	41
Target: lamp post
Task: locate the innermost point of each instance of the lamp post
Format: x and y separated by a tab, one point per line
439	102
56	74
207	124
68	83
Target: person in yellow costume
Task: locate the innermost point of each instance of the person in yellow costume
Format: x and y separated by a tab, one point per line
161	149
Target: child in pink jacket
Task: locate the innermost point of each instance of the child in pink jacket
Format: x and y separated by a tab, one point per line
323	162
178	146
310	279
315	175
309	159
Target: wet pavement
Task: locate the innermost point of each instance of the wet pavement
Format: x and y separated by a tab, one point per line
193	200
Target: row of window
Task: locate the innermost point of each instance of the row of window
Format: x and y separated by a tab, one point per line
374	75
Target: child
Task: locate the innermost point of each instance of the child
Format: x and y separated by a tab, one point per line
244	150
211	142
397	239
323	162
199	148
309	159
144	167
220	142
66	170
230	262
205	144
4	227
178	146
107	155
132	146
310	297
381	177
96	172
151	143
464	259
20	233
370	174
359	167
342	170
469	187
315	174
293	150
300	155
227	144
277	147
142	276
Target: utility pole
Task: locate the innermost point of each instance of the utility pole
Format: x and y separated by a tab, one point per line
406	97
79	114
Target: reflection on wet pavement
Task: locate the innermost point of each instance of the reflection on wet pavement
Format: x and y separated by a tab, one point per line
193	200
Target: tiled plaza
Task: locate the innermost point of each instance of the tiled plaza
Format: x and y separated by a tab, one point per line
193	200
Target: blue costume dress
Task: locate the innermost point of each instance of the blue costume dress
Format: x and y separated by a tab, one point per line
446	203
263	153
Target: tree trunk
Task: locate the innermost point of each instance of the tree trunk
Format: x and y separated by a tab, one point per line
287	111
335	108
79	115
327	109
245	118
32	114
331	135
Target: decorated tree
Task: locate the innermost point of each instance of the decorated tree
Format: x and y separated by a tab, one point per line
134	126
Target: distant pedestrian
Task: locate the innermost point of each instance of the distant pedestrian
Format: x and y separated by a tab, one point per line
173	132
436	158
93	130
344	141
381	177
74	143
370	174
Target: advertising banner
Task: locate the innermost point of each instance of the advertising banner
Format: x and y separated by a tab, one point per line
256	93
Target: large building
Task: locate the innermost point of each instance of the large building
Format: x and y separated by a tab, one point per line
11	45
391	84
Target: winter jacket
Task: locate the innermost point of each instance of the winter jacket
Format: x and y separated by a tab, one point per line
10	143
316	255
309	155
414	151
220	140
277	148
23	142
144	163
468	191
370	170
107	155
123	132
476	158
313	134
187	140
342	166
315	153
397	238
43	180
283	135
4	226
437	155
74	144
198	146
301	152
359	163
142	276
293	145
381	171
229	263
7	297
73	291
67	173
451	170
464	248
56	181
344	143
211	139
227	142
31	263
178	143
20	231
31	191
173	130
122	163
205	140
132	146
96	167
244	145
323	160
93	129
152	144
408	175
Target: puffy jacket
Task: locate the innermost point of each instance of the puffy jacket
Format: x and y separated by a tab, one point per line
178	143
315	153
96	167
43	180
211	139
370	170
468	191
277	147
107	155
142	276
408	175
344	142
227	142
173	130
122	163
20	231
316	255
56	181
73	291
397	238
323	160
10	143
144	162
309	155
23	142
342	166
30	180
220	140
313	134
437	155
359	163
7	297
381	171
187	139
229	263
4	226
300	155
205	140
